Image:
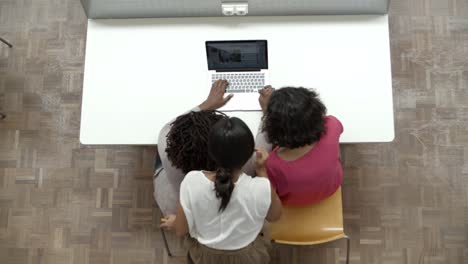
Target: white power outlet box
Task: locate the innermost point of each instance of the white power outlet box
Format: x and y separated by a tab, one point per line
235	8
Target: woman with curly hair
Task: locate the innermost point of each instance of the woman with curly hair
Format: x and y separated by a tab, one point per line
182	147
304	166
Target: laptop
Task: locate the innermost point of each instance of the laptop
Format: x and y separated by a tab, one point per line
244	64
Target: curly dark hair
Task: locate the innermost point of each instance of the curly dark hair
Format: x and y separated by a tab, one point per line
294	117
187	141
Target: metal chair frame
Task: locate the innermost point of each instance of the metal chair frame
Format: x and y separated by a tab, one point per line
157	170
6	42
2	115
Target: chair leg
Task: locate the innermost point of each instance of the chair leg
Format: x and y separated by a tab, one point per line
165	242
348	246
6	42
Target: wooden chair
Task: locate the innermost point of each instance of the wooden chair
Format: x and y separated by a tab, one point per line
311	225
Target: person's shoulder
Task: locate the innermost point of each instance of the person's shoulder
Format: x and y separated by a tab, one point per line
192	176
274	164
256	181
272	158
193	182
333	122
331	118
254	187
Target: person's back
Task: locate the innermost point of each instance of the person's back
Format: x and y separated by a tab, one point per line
238	224
305	166
313	176
224	210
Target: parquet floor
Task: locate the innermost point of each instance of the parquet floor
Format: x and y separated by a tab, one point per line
60	202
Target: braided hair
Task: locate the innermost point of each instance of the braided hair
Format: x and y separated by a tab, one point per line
187	141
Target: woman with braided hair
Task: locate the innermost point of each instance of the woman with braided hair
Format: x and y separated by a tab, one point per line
182	147
222	208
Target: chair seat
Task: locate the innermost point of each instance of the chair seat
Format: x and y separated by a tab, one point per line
313	224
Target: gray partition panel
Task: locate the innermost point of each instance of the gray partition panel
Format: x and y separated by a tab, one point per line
178	8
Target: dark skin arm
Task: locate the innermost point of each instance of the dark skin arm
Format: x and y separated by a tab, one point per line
264	97
274	213
216	97
178	222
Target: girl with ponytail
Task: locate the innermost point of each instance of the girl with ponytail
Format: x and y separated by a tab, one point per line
224	210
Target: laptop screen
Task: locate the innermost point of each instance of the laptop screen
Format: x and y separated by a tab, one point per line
237	55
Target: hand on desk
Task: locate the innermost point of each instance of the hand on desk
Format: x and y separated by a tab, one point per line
216	97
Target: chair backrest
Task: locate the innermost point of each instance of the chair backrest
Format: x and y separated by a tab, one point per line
309	225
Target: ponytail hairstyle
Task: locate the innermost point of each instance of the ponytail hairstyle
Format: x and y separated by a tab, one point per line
230	145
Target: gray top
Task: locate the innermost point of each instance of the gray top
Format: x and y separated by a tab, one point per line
167	182
171	171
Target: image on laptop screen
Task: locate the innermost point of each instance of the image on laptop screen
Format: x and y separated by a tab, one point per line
237	55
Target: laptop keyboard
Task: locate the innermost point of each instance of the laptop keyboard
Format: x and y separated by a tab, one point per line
241	82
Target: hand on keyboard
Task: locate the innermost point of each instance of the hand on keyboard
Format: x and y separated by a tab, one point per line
264	97
216	97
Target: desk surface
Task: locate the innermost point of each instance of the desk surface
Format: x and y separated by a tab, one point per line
140	73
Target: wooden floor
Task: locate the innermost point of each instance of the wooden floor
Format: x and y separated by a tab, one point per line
60	202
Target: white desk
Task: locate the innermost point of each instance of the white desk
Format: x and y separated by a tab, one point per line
140	73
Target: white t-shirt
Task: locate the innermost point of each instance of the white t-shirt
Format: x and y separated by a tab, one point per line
239	224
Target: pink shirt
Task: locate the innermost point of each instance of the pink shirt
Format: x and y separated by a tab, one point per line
312	177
